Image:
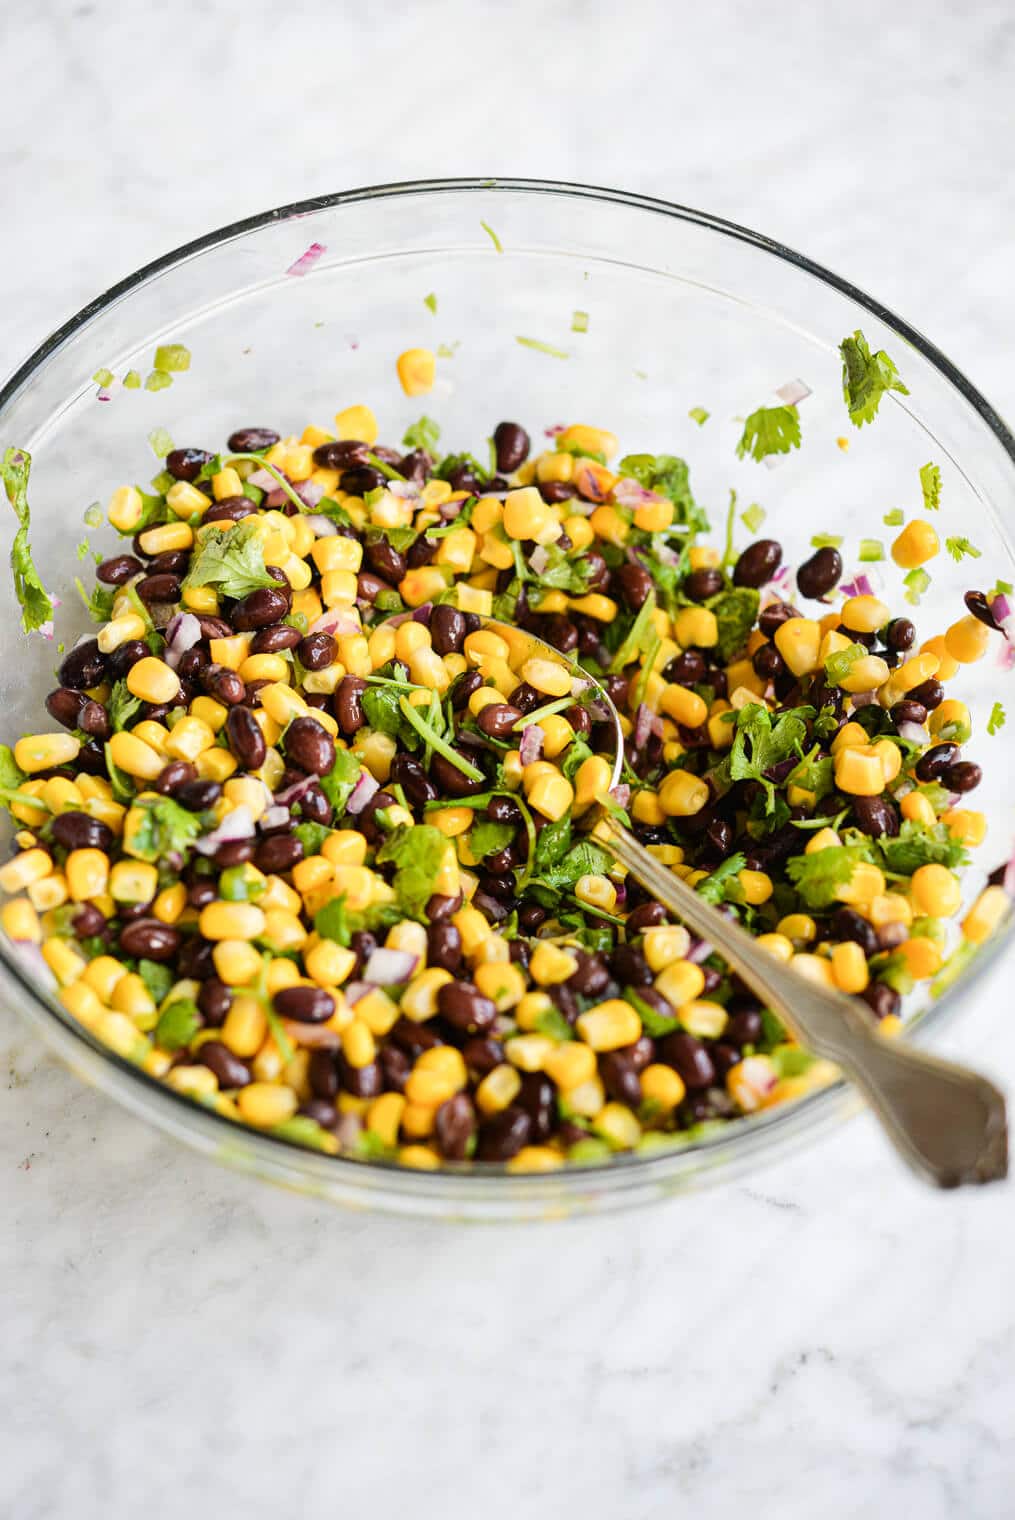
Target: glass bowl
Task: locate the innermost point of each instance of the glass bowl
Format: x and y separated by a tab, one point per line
682	311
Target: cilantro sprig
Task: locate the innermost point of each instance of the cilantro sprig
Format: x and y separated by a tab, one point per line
36	603
866	377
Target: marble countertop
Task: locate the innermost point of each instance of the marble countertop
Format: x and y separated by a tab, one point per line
178	1340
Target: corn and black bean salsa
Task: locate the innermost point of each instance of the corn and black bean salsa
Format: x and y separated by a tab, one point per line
336	875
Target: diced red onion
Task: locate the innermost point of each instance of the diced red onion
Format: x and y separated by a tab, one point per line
276	498
293	793
793	392
449	510
1006	656
621	892
306	261
621	794
642	725
264	480
864	698
348	1130
312	1036
335	621
579	685
362	792
309	492
422	614
914	732
353	991
182	633
555	430
598	710
103	395
275	817
539	559
46	629
387	966
699	950
780	577
1000	607
630	493
235	825
530	746
323	526
406	490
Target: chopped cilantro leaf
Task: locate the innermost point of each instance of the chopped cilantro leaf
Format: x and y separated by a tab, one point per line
121	706
551	1022
454	462
163	829
818	876
418	852
722	884
654	1023
865	378
770	430
98	602
768	744
178	1024
736	612
36	606
752	517
311	836
488	836
430	302
231	560
668	476
918	844
960	546
340	781
930	485
997	719
699	415
424	434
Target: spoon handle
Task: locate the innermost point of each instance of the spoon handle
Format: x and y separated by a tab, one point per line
947	1122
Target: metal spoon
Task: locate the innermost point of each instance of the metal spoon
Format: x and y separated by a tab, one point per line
947	1122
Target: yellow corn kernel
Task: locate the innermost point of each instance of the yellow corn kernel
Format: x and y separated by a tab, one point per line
662	1086
153	680
130	996
384	1117
419	586
967	640
236	962
103	975
554	466
695	627
61	795
777	945
215	764
593	605
935	891
245	1027
985	915
592	781
125	509
550	964
849	967
850	736
860	772
134	756
264	667
498	1089
201	599
915	545
662	944
266	1104
822	839
87	873
570	1064
551	796
49	893
922	957
66	964
358	1045
282	930
231	920
682	794
328	964
645	808
703	1018
684	706
966	825
616	1123
357	422
815	968
798	927
502	982
133	882
654	516
597	891
535	1158
866	883
593	480
798	640
916	807
82	1002
28	867
20	921
230	652
417	370
588	440
864	614
680	982
42	752
947	663
865	674
421	1158
587	1098
167	537
609	1025
190	738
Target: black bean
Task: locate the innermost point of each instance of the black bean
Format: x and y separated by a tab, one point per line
88	921
223	684
278	853
908	711
566	1000
590	975
553	491
198	795
408	773
454	1127
309	746
322	1074
348	705
315	807
687	669
758	563
317	651
503	1135
395	1068
276	638
481	1054
64	705
150	938
195	959
881	999
531	917
361	1081
444	947
118	570
847	924
930	694
413	1038
369	586
341	455
201	893
230	509
899	634
817	575
386	561
447	629
649	916
497	720
80	831
875	816
744	1027
620	1078
158	588
774	615
416	466
83	667
245	738
421	552
768	662
465	1007
703	583
511	444
214	627
538	1097
186	464
251	440
450	781
308	1005
933	763
963	776
230	1070
260	608
234	852
440	908
689	1058
635	585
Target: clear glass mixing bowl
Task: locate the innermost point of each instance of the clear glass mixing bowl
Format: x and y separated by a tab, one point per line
683	311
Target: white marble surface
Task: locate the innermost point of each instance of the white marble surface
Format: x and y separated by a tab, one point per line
177	1341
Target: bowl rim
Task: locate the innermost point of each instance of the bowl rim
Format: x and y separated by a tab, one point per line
735	1144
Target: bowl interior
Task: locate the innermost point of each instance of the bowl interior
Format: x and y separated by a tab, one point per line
632	313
